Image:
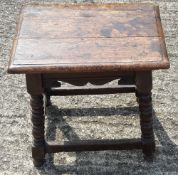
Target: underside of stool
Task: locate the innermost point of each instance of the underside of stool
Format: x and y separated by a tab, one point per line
139	83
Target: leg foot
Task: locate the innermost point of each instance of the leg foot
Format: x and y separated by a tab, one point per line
38	162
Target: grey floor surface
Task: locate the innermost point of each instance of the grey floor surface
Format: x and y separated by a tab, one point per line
88	117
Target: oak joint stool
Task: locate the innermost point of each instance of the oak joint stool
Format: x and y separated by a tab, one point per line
95	43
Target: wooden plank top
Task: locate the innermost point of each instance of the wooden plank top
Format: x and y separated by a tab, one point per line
88	38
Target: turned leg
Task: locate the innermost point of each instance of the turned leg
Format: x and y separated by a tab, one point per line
144	86
38	148
35	89
146	123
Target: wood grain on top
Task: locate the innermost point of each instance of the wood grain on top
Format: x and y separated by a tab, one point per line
74	38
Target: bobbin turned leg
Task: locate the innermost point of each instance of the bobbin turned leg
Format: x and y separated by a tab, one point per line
34	88
38	148
143	93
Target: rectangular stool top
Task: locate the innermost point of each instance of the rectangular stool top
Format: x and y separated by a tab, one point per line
88	38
